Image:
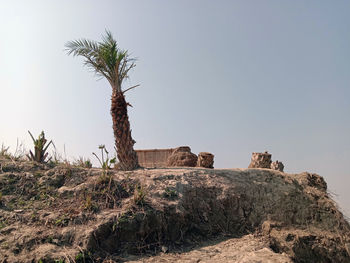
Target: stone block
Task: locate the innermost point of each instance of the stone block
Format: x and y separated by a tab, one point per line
205	160
260	160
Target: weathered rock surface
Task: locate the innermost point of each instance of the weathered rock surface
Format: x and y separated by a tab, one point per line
278	166
182	157
167	215
260	160
205	160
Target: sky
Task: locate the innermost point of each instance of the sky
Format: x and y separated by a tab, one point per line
227	77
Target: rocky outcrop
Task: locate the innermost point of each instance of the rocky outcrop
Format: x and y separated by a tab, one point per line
182	157
278	166
70	212
260	160
205	160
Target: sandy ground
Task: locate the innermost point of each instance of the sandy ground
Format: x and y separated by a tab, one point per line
248	249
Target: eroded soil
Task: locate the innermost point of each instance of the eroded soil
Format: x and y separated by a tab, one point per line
72	214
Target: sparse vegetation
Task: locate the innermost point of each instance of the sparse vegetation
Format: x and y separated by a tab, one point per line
2	224
61	159
17	155
63	207
81	162
80	257
105	163
89	204
62	220
83	257
20	151
170	193
56	158
104	179
108	192
40	148
140	195
4	151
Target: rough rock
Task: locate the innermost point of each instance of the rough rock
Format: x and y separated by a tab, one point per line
278	166
205	160
198	215
182	157
260	160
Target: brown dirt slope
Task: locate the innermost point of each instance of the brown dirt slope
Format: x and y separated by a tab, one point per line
71	214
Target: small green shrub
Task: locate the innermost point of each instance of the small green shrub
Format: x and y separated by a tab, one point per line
140	195
80	257
89	204
62	221
170	193
83	256
40	148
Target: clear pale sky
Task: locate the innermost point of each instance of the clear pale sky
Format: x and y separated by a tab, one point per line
228	77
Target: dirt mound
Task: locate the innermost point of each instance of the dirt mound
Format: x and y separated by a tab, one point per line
75	214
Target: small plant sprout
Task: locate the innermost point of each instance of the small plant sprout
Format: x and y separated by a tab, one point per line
89	204
170	193
40	153
105	163
140	195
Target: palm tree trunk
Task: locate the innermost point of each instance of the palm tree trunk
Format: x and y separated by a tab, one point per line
122	133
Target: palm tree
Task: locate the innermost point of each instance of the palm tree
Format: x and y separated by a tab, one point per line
108	61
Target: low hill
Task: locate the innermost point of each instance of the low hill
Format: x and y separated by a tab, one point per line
64	213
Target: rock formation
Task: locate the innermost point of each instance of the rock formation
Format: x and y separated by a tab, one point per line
182	157
278	166
205	160
260	160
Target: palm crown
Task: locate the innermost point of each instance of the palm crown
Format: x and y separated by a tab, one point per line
104	58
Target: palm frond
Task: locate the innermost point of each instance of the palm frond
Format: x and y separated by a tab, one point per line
104	58
82	47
